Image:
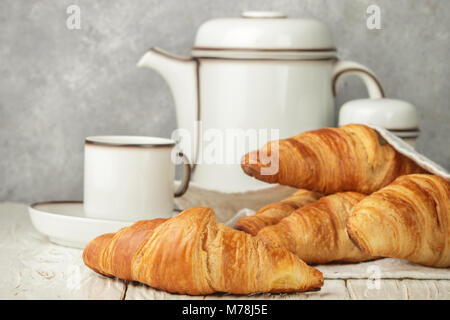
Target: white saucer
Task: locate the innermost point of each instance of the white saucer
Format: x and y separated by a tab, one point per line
65	224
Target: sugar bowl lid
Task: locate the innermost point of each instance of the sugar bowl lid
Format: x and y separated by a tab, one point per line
392	114
267	34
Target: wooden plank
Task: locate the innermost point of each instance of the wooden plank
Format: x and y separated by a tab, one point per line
383	289
427	289
332	289
399	289
33	268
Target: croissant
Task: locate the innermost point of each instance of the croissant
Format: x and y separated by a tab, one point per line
316	233
330	160
274	212
192	254
409	219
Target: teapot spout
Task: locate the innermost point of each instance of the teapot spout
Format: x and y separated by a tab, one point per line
181	76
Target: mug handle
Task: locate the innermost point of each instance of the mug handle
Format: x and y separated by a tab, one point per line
186	176
346	68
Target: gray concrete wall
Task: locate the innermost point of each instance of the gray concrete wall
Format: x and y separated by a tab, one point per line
58	85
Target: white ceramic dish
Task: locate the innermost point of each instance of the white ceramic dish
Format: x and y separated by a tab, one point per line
130	178
392	114
65	224
239	66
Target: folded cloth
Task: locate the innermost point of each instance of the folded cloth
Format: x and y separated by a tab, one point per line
408	151
383	269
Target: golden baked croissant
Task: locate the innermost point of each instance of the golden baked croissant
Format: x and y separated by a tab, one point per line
409	219
330	160
274	212
316	233
192	254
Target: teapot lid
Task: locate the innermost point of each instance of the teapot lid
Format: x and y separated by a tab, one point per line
264	34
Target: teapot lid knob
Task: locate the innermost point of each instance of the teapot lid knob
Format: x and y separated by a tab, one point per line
263	14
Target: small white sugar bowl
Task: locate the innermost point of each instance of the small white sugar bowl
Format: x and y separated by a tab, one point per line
397	116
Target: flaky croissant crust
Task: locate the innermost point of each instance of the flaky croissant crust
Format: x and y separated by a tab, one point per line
273	213
408	219
317	232
192	254
329	160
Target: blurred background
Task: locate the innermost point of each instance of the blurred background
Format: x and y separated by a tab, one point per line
59	85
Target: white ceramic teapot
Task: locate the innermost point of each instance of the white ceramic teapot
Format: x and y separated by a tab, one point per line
258	72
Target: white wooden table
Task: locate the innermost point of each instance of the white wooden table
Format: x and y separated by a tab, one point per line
31	267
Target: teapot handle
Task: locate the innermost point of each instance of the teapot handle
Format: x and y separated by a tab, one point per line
346	68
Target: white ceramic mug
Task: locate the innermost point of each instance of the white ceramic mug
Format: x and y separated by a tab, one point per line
131	178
